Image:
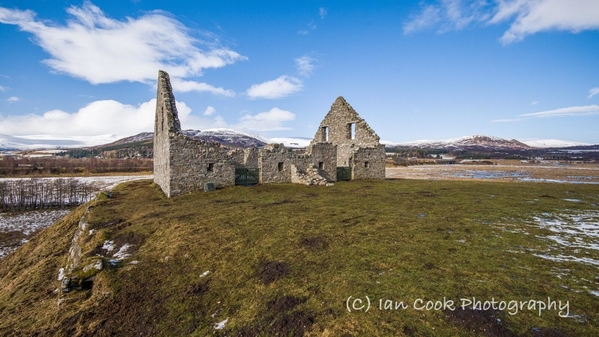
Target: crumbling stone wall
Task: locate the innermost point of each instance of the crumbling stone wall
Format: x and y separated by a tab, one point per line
336	127
194	162
183	164
357	144
274	162
166	125
369	163
323	157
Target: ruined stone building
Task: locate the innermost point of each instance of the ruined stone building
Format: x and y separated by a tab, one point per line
344	148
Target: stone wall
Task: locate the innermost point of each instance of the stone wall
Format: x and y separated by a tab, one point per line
274	162
336	127
369	163
323	157
183	164
166	125
250	158
194	162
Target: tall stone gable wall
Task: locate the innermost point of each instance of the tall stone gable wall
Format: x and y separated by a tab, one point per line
166	125
359	149
183	164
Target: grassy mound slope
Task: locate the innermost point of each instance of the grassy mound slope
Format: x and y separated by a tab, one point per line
282	259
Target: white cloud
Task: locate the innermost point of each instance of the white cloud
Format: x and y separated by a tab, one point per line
305	65
593	92
534	103
13	99
281	87
2	88
210	110
95	123
569	111
266	121
311	27
187	86
447	15
526	17
97	118
322	12
99	49
535	16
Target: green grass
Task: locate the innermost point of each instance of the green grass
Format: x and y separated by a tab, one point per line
284	258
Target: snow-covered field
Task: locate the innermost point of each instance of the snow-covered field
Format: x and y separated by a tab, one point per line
15	229
102	182
26	223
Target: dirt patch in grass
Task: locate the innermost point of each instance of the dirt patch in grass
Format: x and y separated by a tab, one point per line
483	322
315	243
272	271
197	288
280	319
284	303
107	224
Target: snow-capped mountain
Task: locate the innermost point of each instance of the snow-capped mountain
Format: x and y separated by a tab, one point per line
224	136
469	142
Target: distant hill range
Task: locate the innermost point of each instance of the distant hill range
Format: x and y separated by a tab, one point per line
141	145
226	137
470	143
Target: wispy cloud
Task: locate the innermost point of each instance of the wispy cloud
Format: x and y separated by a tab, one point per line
593	92
266	121
305	65
13	99
99	49
311	26
569	111
322	12
210	110
283	86
534	103
525	17
3	88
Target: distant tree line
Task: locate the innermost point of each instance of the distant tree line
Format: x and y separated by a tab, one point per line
14	166
29	194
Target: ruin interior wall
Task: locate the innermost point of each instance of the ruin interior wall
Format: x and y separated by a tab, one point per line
274	162
369	163
194	162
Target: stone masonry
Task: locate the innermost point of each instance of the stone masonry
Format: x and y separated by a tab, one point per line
183	164
358	146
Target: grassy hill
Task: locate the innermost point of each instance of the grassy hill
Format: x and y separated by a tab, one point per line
283	259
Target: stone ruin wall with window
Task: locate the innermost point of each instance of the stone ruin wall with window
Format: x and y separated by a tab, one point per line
183	164
358	146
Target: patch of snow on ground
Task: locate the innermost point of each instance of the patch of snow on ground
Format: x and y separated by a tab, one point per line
579	231
32	221
121	254
27	223
221	325
108	246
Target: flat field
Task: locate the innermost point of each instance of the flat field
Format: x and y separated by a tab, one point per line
505	170
294	260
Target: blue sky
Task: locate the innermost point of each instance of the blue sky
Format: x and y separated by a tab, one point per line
433	69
